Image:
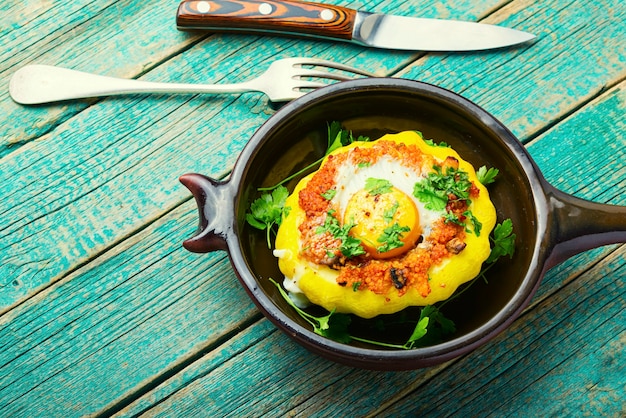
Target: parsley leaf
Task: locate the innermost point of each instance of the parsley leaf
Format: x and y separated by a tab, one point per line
333	326
432	198
421	329
434	144
391	212
329	194
337	328
474	220
267	210
487	176
350	246
435	189
430	328
339	137
437	327
335	144
377	186
451	218
391	237
431	323
503	240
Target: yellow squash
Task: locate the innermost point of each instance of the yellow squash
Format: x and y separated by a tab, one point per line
318	282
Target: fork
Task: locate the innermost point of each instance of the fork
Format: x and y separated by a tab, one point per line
284	80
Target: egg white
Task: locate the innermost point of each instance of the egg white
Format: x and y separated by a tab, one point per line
351	178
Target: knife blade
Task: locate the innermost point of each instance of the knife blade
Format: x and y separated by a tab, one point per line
341	23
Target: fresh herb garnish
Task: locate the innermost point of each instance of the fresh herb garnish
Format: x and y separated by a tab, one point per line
436	189
267	210
477	224
329	194
452	218
503	241
432	198
350	246
376	186
337	138
391	212
487	176
341	137
391	237
435	144
335	325
439	188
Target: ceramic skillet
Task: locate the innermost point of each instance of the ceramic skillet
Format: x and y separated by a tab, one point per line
551	225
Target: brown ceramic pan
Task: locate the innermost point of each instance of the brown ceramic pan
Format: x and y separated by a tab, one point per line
551	225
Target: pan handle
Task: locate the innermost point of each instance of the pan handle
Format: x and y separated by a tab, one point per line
582	225
215	200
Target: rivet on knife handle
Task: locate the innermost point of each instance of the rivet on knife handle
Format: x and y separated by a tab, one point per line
292	17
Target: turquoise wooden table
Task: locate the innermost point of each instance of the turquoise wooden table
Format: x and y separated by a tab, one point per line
102	312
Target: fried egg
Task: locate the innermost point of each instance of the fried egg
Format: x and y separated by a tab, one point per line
355	203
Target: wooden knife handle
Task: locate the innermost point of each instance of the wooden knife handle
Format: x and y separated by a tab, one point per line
290	17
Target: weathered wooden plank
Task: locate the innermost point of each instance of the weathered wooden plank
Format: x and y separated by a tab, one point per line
59	33
197	370
111	165
216	393
533	87
71	178
145	306
555	361
577	172
127	48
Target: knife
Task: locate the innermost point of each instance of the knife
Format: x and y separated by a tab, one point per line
341	23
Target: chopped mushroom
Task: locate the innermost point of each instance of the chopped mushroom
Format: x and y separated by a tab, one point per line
455	245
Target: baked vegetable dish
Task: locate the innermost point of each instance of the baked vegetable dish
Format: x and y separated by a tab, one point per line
379	227
384	225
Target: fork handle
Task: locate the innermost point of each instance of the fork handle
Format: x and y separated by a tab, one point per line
287	17
37	84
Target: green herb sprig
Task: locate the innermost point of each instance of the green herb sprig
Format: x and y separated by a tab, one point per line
503	240
435	191
487	176
268	210
336	325
503	244
333	326
391	238
337	138
376	186
350	246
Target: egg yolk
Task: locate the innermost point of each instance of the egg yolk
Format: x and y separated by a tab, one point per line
387	223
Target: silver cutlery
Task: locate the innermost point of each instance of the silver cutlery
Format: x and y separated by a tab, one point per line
284	80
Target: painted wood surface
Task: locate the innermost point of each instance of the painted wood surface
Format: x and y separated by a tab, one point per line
103	312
